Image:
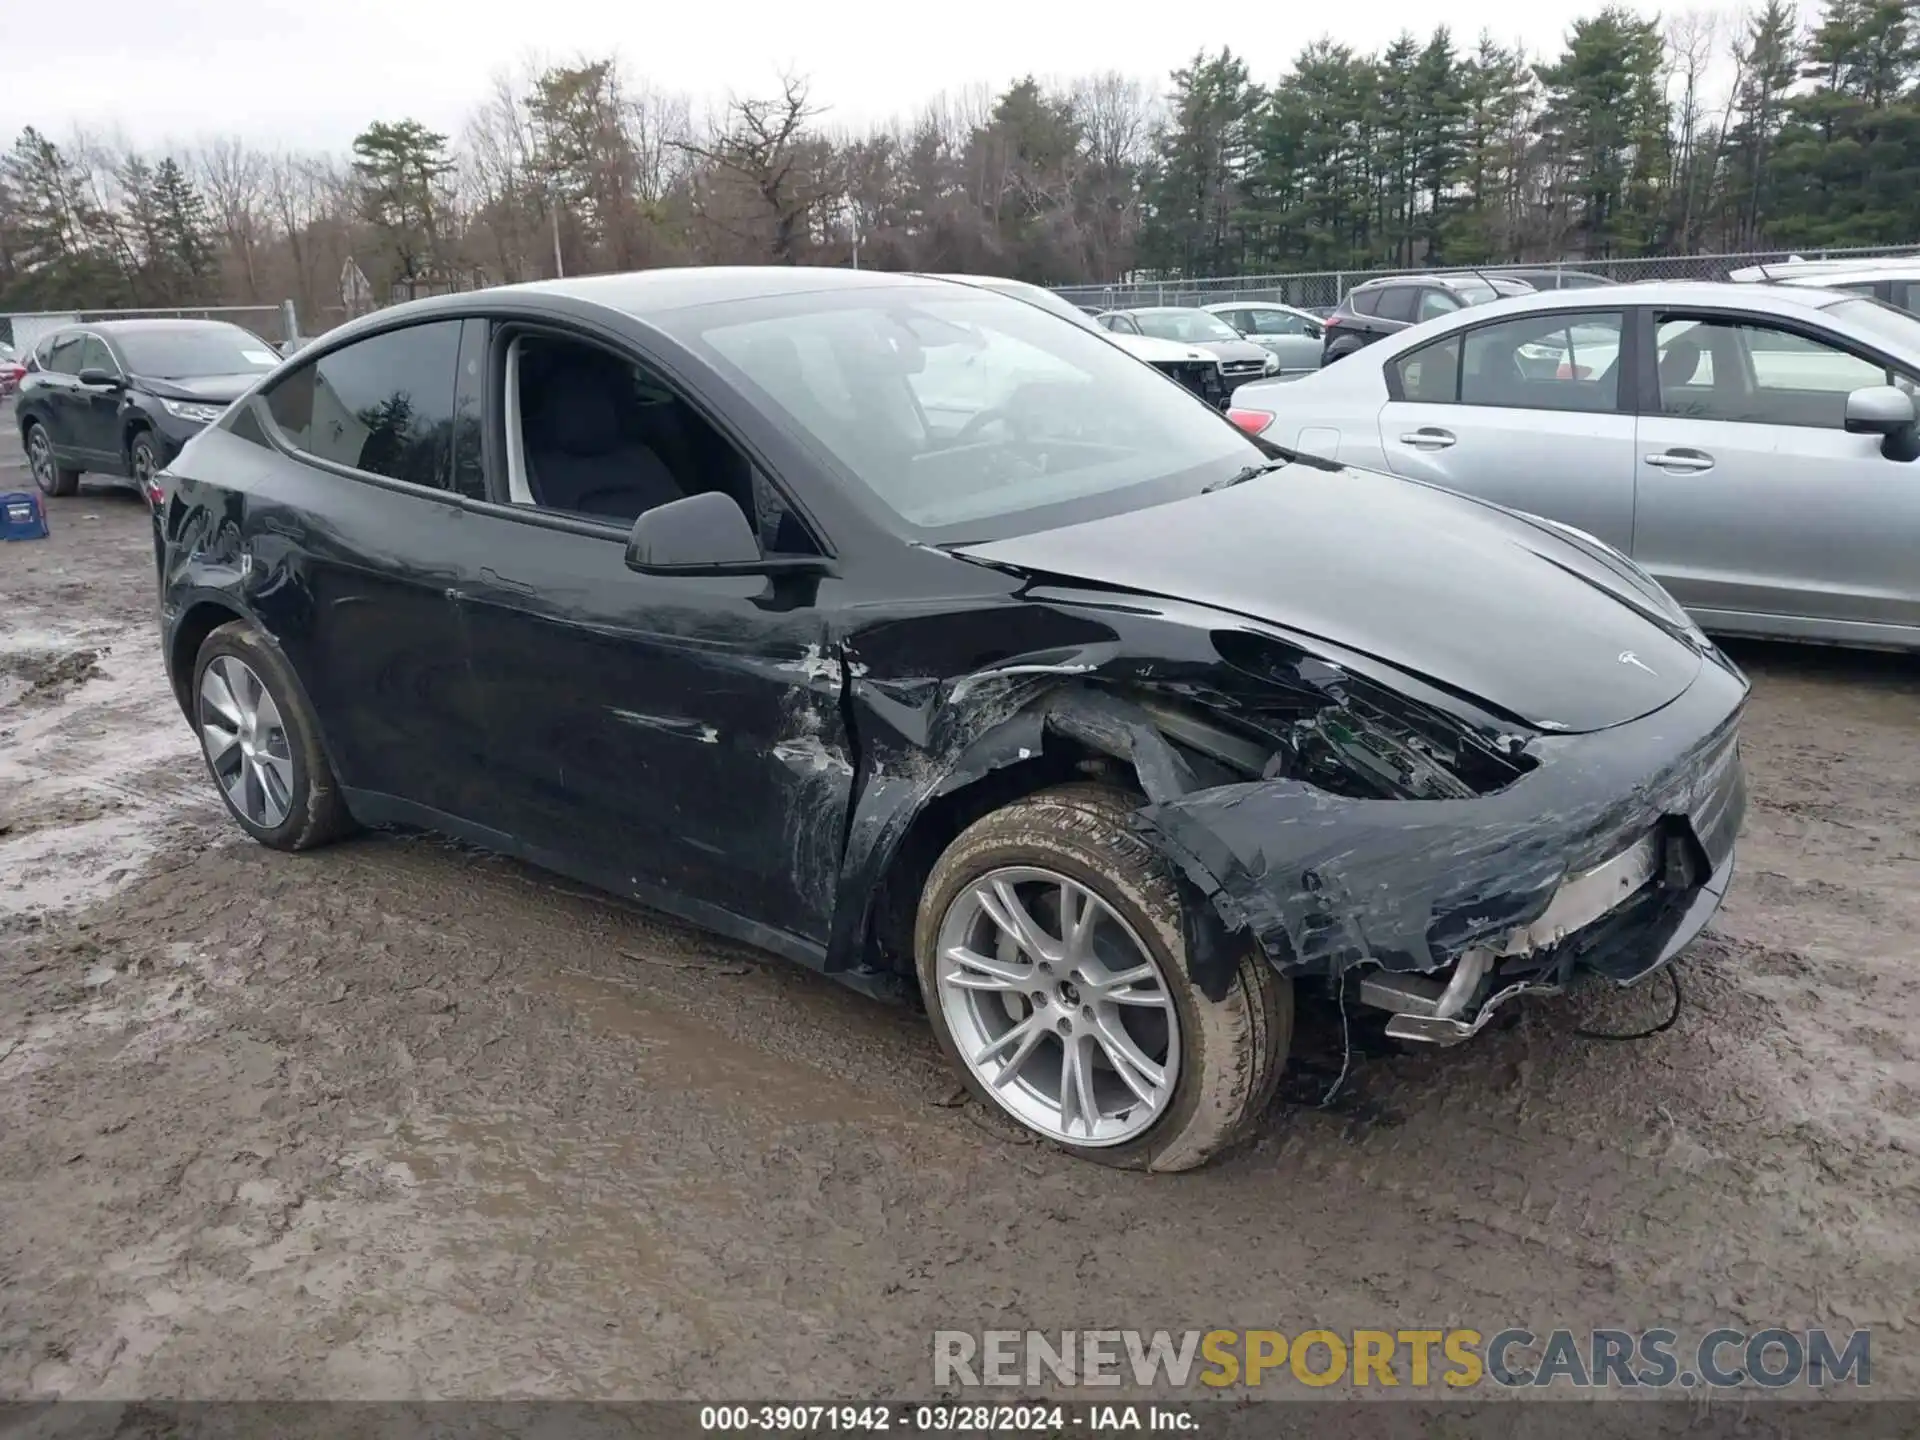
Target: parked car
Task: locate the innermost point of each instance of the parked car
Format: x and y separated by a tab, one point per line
1068	712
1752	446
1896	281
120	397
1548	277
1188	365
1387	306
1292	336
1240	360
11	369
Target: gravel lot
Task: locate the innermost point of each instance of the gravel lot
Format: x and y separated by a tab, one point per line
400	1119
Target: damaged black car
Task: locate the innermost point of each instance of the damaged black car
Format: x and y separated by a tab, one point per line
903	629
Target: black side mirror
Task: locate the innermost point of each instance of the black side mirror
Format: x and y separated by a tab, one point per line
705	534
93	375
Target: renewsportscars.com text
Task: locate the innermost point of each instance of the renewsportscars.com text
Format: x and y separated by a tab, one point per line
1414	1359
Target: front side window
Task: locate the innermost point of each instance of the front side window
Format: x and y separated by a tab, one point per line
1556	361
94	355
969	417
604	438
383	404
1713	369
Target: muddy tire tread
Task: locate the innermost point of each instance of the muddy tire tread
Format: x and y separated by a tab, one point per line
319	815
1242	1040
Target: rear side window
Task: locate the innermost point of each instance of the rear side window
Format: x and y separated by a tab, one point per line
1431	374
384	404
1552	362
1365	302
1396	302
61	355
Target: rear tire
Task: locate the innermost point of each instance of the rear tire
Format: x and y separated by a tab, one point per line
261	743
1219	1065
49	474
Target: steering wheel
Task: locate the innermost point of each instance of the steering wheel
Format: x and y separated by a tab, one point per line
979	421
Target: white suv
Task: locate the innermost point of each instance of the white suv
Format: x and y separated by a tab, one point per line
1895	281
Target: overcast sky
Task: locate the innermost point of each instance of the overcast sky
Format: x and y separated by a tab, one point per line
312	73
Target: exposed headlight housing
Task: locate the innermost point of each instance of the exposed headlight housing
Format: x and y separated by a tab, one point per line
196	411
1271	365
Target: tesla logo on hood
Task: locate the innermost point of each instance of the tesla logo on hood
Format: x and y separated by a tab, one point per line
1627	657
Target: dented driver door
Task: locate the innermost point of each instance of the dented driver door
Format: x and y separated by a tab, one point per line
678	739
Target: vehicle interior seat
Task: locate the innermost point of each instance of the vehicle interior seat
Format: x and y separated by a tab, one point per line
1680	363
579	455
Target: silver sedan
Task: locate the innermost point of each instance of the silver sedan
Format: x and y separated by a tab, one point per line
1754	446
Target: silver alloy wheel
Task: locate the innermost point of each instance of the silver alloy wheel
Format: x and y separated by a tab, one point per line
245	741
1057	1006
40	458
142	462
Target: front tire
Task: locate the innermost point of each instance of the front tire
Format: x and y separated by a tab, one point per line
143	461
1050	954
50	475
262	744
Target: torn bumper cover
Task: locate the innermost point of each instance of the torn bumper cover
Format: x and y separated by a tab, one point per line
1609	857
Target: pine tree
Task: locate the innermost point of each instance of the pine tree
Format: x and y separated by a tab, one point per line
402	170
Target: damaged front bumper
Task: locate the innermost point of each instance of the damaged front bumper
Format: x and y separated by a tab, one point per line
1607	859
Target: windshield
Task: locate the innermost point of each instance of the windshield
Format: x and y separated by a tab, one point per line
195	352
970	416
1189	326
1888	324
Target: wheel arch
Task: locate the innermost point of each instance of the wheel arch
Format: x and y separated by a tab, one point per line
1075	732
199	620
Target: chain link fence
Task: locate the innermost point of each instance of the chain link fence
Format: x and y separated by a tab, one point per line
1323	289
278	323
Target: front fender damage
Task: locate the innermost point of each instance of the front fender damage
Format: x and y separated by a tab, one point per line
1454	830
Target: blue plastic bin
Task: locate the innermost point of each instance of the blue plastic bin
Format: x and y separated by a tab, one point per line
22	516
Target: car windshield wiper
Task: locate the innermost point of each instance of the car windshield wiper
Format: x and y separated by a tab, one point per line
1241	476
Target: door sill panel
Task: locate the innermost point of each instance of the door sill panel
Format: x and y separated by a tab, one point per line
372	808
1755	625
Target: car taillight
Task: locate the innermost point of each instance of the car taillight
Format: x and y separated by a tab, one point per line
1573	372
1251	421
1331	321
156	492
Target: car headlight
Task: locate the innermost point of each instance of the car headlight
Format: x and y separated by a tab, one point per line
1271	365
199	412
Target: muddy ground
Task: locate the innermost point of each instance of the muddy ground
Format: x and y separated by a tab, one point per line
399	1119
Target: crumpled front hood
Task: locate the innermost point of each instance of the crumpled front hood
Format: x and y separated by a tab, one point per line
1233	349
1155	351
1462	594
208	389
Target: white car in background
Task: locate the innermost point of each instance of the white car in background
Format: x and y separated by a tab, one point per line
1896	281
1193	367
1754	447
